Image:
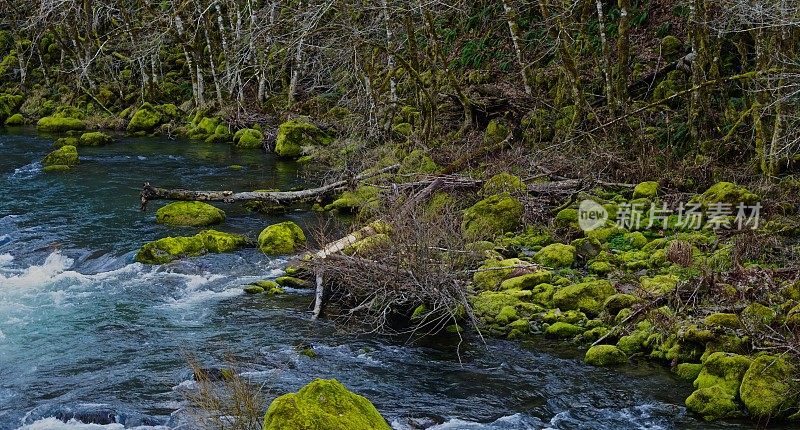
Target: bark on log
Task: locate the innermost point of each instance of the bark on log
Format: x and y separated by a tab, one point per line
280	197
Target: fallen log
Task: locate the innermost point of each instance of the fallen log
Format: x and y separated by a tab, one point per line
150	192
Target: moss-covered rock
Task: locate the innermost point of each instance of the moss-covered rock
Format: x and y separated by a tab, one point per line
527	281
493	272
64	156
671	47
647	190
189	214
417	162
563	330
618	302
556	255
727	192
503	183
95	138
146	119
722	320
248	138
164	250
587	297
269	287
15	120
363	198
281	239
323	405
757	314
688	371
659	284
713	403
296	136
725	370
292	282
769	387
9	104
253	289
492	217
605	355
57	124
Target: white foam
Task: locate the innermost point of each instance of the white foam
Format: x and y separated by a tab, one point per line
192	298
5	259
27	171
54	267
56	424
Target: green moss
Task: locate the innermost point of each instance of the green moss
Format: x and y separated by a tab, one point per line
189	214
659	284
727	192
495	133
296	136
723	320
769	387
403	129
323	405
586	248
528	281
362	198
618	302
556	255
571	317
491	307
368	244
587	296
292	282
417	162
164	250
543	294
9	104
269	286
95	138
248	138
757	314
59	124
146	119
64	156
671	47
15	120
492	273
492	217
563	330
636	341
605	355
648	190
219	242
203	127
601	267
504	183
688	371
253	289
567	218
281	239
724	370
712	403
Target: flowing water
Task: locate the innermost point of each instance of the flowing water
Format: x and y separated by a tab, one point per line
85	331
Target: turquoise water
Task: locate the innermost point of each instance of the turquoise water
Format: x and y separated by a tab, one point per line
86	332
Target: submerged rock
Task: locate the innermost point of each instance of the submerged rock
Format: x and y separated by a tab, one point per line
281	239
323	405
189	214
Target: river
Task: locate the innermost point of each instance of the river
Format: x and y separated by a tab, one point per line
84	328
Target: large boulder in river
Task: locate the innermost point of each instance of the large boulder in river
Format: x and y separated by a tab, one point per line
189	214
281	239
61	159
323	405
95	138
296	136
164	250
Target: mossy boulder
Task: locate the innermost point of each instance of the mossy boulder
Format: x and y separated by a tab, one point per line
15	120
9	104
248	138
587	297
503	183
769	387
146	119
253	289
688	371
726	192
713	403
297	136
556	255
323	405
722	320
563	330
94	138
281	239
189	214
64	156
659	284
605	355
492	217
417	162
204	127
647	190
58	124
292	282
723	369
618	302
363	198
671	47
268	287
493	272
164	250
527	281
